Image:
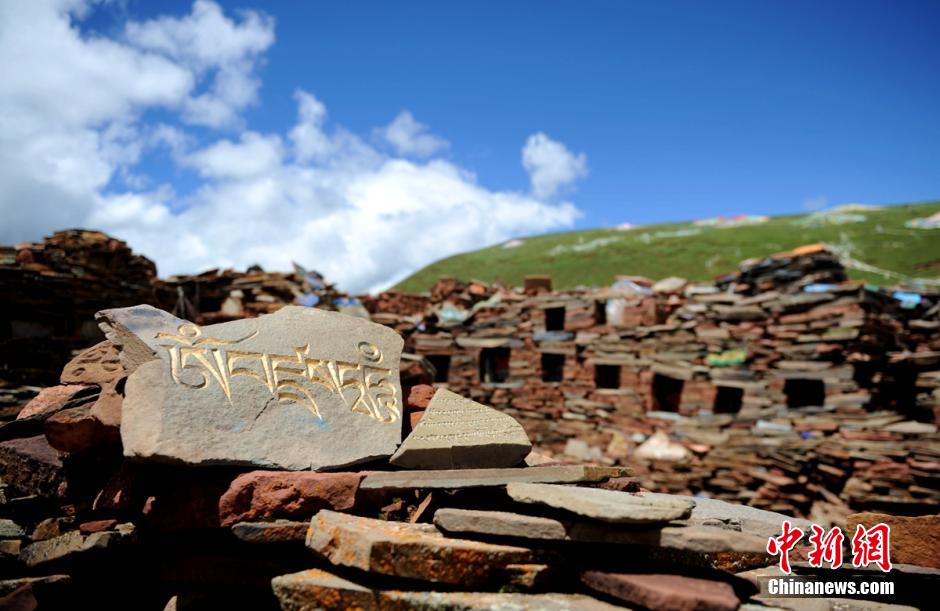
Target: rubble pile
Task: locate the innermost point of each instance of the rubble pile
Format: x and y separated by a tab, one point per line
242	464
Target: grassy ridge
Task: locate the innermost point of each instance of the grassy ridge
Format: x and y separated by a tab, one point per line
594	257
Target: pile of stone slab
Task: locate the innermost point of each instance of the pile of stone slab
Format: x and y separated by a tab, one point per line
276	462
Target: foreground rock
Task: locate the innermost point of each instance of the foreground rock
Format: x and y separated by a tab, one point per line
480	478
30	466
273	494
664	592
402	601
318	589
606	505
417	551
297	389
913	540
457	433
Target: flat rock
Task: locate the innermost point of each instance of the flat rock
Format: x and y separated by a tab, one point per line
50	400
30	466
67	546
286	494
458	433
469	601
298	389
750	520
704	539
606	505
77	430
279	531
11	530
914	540
134	330
100	364
477	478
417	551
315	589
658	592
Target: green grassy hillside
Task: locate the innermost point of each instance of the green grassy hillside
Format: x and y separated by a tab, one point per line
594	257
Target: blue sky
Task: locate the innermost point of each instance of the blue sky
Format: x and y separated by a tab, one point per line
684	109
379	136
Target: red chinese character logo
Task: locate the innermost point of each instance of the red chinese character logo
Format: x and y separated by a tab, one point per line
828	548
872	545
783	544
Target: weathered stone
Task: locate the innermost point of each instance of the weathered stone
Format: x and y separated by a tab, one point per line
658	592
49	400
134	332
107	409
286	494
96	526
457	433
606	505
420	395
316	589
231	393
11	530
477	478
750	520
704	539
9	585
279	531
471	601
417	551
51	528
100	364
68	546
30	466
914	540
77	430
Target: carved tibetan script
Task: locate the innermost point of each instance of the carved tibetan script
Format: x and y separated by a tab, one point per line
364	387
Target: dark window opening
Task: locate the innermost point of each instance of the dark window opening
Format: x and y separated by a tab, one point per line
803	393
607	376
441	364
600	312
555	319
728	400
494	365
553	367
667	393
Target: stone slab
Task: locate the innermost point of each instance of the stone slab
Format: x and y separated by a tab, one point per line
315	589
279	531
472	601
11	530
751	520
478	478
704	539
417	551
914	540
457	433
659	592
134	330
606	505
297	389
30	466
100	364
286	494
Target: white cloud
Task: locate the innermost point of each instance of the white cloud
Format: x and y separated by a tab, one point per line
551	166
410	137
316	193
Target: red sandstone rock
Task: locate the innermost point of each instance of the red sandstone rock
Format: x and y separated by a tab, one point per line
913	540
31	466
287	494
77	430
99	364
416	418
664	592
420	396
96	526
49	400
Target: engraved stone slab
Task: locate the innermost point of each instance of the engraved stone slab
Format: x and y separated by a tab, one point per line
606	505
298	389
458	433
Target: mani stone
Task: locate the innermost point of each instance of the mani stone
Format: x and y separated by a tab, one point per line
606	505
298	389
457	433
417	551
703	539
480	478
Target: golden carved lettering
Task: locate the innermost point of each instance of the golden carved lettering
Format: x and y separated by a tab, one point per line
364	388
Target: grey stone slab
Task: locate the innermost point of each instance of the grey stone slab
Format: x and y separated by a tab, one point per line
417	551
298	389
472	601
279	531
606	505
704	539
459	433
478	478
134	331
750	520
67	546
